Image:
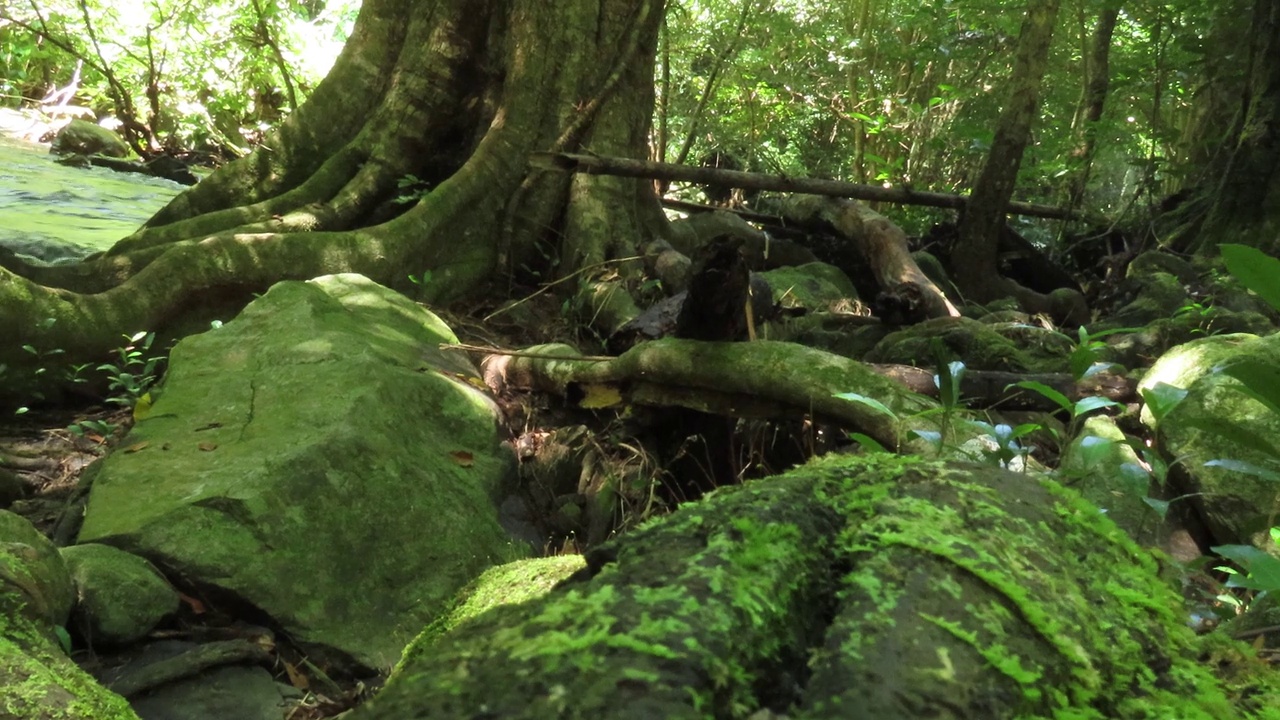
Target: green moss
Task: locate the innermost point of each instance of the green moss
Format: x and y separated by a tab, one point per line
40	681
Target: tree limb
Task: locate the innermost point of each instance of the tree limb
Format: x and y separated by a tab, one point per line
624	167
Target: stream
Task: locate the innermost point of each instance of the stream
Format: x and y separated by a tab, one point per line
49	210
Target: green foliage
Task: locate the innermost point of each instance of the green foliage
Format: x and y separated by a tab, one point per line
411	189
1255	270
221	73
907	93
133	372
1260	381
1260	571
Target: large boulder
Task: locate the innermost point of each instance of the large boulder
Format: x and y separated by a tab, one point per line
81	137
1208	425
321	458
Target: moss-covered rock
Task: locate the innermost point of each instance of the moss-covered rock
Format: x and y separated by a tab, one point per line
977	344
1212	423
82	137
879	587
321	458
1158	295
815	286
121	597
37	679
1154	261
1107	472
35	579
509	584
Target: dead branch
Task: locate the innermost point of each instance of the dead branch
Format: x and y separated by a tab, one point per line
625	167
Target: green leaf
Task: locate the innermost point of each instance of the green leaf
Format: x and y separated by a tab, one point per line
1160	506
869	402
1263	569
868	443
1026	429
1094	450
1046	391
1096	368
1255	270
948	382
64	638
933	437
1261	381
1161	398
1245	468
1091	403
1082	358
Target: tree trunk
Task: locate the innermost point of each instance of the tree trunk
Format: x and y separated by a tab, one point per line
1097	83
409	158
1246	206
976	251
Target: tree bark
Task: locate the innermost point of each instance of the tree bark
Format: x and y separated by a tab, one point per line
975	256
1097	83
626	167
1246	204
453	93
882	244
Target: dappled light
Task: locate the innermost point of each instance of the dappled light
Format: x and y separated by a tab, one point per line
630	359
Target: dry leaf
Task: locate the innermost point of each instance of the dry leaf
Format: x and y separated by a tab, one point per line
197	607
137	446
207	446
296	678
596	396
463	458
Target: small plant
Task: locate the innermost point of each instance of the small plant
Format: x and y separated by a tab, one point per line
1259	571
946	380
1076	411
411	189
29	384
1204	313
86	427
133	373
1007	445
1085	359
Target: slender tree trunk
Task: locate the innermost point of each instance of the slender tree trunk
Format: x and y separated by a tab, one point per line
974	257
1097	84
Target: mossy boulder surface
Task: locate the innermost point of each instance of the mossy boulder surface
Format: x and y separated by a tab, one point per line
121	597
321	458
37	679
33	575
977	344
877	587
82	137
815	286
1215	422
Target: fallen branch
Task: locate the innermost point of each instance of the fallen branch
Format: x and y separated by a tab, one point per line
624	167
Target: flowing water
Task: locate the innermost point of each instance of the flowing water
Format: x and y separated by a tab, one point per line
51	209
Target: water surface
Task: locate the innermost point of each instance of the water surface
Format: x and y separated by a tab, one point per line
42	202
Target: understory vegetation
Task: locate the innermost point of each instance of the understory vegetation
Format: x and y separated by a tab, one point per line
620	257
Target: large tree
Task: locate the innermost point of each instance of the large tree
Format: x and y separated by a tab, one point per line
409	158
